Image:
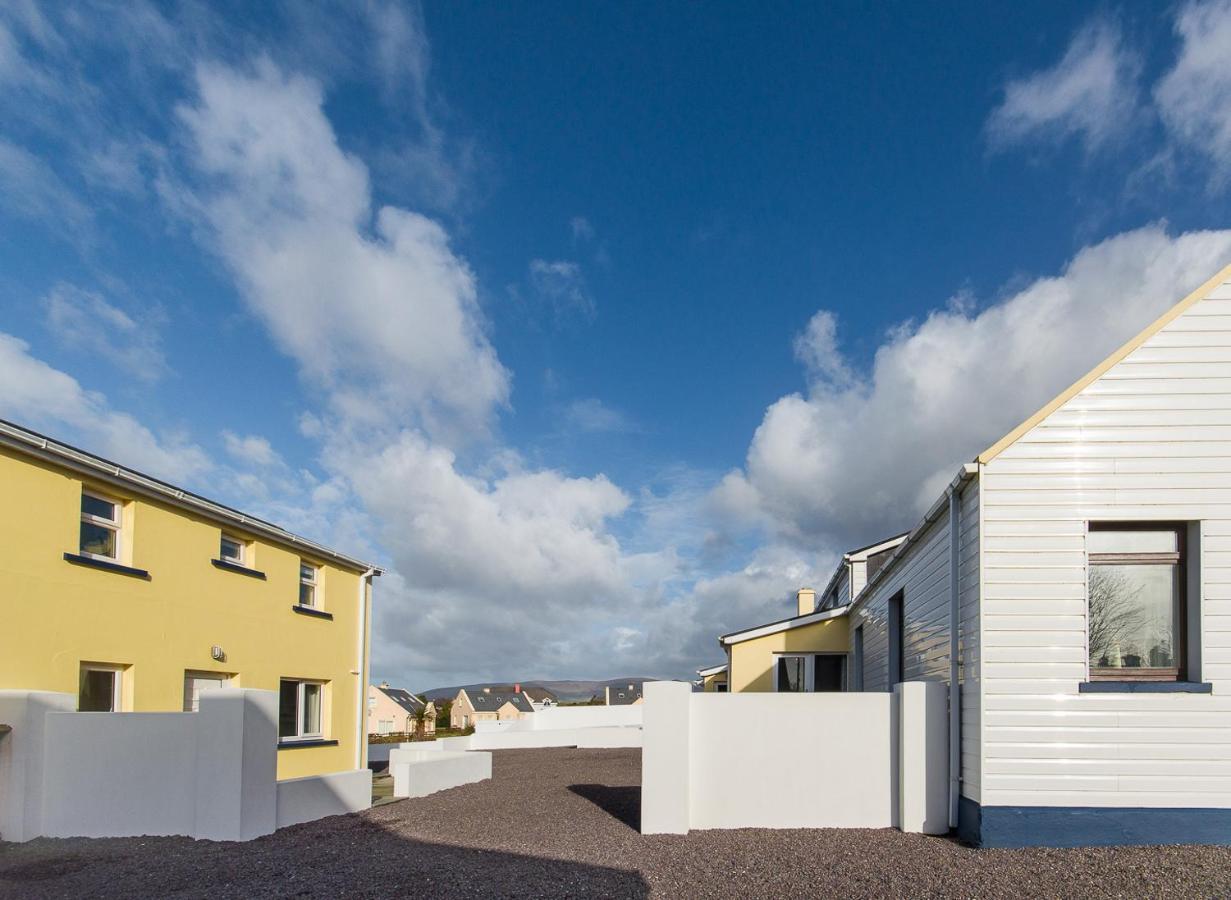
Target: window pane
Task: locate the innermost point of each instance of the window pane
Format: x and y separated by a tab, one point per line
790	673
1132	541
307	572
311	709
97	540
828	673
97	691
1134	616
231	550
307	595
93	506
288	709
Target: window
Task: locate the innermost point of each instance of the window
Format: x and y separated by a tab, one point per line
897	639
299	709
308	586
1136	618
195	682
384	726
100	527
100	688
857	660
806	673
231	550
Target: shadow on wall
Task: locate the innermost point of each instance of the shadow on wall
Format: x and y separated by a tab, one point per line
338	856
622	803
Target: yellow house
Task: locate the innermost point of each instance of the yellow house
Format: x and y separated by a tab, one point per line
134	595
713	679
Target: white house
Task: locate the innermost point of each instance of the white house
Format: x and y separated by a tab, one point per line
1086	560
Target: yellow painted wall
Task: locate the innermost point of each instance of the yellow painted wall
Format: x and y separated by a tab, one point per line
710	683
54	615
752	662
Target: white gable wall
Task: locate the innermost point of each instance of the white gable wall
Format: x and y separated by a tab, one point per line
1148	440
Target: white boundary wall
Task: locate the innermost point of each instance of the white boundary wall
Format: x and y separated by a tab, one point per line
417	773
794	760
210	774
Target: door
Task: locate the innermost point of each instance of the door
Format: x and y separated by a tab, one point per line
195	682
827	675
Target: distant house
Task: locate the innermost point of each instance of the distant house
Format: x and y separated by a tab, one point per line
623	694
713	679
493	703
541	698
395	711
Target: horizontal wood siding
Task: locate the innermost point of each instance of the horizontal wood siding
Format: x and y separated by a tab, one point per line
1149	440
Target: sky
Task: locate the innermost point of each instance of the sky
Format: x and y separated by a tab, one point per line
602	328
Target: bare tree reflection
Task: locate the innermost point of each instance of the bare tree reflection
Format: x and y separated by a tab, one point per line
1117	617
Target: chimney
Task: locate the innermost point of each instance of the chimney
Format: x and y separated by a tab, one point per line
517	688
806	598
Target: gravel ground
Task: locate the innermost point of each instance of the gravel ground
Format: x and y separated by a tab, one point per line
556	823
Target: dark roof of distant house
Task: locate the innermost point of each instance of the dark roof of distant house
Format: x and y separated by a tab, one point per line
495	697
539	694
404	699
623	694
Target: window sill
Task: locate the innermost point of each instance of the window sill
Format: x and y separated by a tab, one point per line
314	742
78	559
237	569
1145	687
309	611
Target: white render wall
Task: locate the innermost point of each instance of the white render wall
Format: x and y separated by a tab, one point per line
317	796
758	760
1149	440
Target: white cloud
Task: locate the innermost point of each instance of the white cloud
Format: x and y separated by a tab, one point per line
84	321
581	229
592	415
1194	97
33	191
852	460
41	397
1091	94
251	450
376	308
561	284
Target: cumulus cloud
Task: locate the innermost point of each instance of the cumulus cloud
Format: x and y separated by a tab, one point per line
375	307
855	458
251	449
84	321
1194	96
44	398
1089	94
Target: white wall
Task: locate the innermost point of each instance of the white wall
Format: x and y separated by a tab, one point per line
318	796
585	717
789	760
210	774
417	773
1148	440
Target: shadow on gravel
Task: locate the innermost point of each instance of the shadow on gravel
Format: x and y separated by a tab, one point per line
621	803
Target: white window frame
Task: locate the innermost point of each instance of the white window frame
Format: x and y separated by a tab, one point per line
115	525
809	670
314	581
300	734
239	542
224	679
117	682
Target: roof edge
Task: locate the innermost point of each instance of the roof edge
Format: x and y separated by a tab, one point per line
1173	313
39	446
747	634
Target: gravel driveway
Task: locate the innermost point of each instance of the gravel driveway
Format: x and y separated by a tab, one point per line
556	823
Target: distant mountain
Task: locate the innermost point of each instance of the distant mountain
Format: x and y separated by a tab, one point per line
567	691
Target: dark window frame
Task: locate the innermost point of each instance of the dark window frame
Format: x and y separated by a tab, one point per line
895	658
1179	559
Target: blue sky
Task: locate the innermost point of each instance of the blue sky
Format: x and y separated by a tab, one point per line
604	328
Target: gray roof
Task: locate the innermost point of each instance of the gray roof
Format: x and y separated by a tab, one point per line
495	697
623	694
404	699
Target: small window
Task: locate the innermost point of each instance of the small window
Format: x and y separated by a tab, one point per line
896	660
308	585
231	550
299	709
1136	621
792	674
196	682
100	527
100	688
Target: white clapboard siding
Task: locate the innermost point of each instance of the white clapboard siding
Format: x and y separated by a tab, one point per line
1148	440
969	574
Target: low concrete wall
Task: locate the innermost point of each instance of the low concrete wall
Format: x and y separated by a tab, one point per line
417	773
790	760
317	796
614	737
585	717
555	737
210	774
